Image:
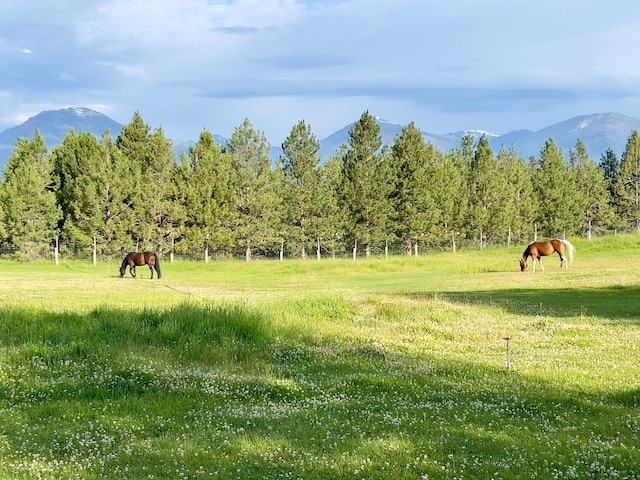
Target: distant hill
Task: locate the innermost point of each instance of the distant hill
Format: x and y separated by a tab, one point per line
54	126
598	132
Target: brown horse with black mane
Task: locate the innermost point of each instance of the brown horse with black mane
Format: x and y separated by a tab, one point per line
536	250
137	259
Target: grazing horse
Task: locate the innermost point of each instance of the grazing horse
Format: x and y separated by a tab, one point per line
137	259
536	250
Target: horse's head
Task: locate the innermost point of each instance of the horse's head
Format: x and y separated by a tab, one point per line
523	264
123	269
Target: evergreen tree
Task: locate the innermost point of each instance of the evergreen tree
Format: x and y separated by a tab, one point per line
30	214
254	219
151	157
77	168
448	187
593	199
627	183
519	204
155	208
610	166
302	200
367	184
559	211
332	216
93	185
415	208
207	196
486	193
115	186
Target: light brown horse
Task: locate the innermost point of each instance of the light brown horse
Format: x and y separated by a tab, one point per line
537	250
137	259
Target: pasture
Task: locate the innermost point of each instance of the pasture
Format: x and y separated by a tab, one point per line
374	369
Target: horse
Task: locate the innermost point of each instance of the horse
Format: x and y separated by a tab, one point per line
536	250
137	259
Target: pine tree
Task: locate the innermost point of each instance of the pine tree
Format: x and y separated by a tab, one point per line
151	157
627	183
448	188
559	211
332	218
590	182
519	204
207	196
415	209
93	185
30	214
302	200
610	166
155	188
367	184
486	193
254	220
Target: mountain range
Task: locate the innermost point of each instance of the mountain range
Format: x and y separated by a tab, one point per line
599	132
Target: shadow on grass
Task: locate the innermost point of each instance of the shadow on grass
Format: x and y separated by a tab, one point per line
614	303
283	408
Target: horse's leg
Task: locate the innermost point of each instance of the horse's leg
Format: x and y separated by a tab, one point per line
541	265
563	259
132	271
151	269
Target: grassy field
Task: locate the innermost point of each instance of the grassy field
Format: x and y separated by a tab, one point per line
374	369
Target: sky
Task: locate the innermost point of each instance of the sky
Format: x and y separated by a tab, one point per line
446	65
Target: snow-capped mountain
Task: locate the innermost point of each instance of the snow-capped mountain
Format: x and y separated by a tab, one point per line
55	124
598	132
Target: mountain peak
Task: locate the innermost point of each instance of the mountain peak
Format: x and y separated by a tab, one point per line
55	124
598	131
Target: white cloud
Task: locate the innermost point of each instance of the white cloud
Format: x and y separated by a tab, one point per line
494	65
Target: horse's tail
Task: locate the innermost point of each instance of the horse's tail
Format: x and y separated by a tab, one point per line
572	249
157	266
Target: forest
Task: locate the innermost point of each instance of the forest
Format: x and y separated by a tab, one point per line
111	195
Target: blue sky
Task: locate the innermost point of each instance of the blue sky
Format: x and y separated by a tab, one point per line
447	65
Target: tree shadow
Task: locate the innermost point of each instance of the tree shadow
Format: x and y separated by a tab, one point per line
331	409
613	303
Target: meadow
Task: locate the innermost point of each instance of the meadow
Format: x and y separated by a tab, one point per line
334	369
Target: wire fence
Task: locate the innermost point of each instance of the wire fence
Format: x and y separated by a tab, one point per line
58	252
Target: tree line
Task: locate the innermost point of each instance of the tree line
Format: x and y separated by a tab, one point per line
109	196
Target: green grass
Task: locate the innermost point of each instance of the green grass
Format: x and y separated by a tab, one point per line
375	369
